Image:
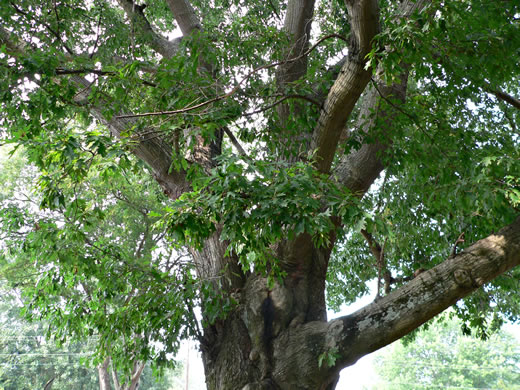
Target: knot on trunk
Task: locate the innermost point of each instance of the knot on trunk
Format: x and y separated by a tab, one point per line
463	278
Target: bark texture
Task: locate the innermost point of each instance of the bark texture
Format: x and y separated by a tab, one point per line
269	338
277	335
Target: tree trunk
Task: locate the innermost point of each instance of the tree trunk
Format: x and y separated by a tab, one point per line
246	350
275	339
104	377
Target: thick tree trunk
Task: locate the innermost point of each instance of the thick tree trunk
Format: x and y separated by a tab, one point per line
249	346
271	342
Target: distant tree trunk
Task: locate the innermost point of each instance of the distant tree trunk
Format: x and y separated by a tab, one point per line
104	377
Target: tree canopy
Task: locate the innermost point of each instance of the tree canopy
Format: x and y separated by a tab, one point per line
260	161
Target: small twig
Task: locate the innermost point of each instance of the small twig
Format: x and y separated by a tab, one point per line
57	18
380	265
235	142
379	255
62	71
412	117
375	248
47	26
49	383
97	37
274	10
459	240
237	86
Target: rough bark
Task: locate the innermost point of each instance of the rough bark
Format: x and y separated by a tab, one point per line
297	25
136	15
185	15
350	83
271	347
276	335
155	151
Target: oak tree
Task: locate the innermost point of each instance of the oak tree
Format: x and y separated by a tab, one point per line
267	125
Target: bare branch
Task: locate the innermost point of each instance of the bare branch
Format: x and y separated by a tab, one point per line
505	97
234	141
374	246
99	72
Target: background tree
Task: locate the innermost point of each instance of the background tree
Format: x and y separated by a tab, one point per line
266	125
441	357
31	361
120	238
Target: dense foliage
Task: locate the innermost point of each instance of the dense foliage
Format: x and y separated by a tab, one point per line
31	361
247	159
87	270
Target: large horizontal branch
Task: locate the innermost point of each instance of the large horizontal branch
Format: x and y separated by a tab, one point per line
430	293
353	336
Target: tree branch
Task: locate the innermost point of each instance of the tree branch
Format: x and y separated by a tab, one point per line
185	16
161	45
155	152
432	291
403	310
351	81
15	46
374	246
505	97
46	25
234	141
99	72
359	169
237	86
297	24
